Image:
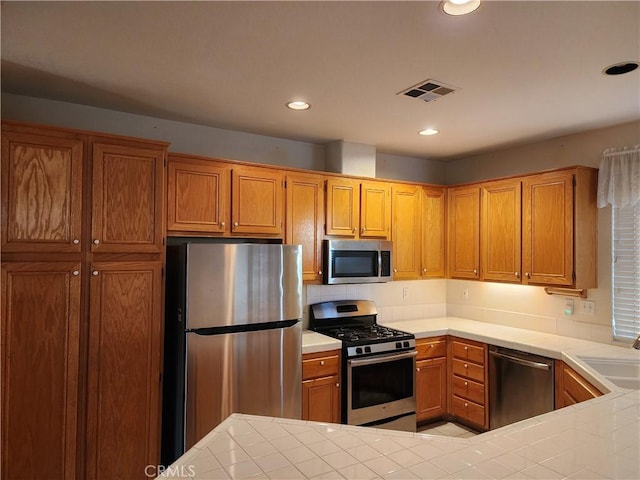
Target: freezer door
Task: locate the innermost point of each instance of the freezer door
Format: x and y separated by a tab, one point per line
257	373
237	284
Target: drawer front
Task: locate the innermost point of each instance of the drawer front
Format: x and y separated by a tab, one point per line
431	349
320	367
467	389
467	370
466	351
468	410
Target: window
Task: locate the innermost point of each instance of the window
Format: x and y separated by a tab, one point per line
626	272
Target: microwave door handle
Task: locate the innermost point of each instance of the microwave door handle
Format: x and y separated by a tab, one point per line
379	263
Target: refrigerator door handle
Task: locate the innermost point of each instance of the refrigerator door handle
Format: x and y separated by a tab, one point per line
249	327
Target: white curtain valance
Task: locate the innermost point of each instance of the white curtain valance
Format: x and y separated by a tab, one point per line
619	177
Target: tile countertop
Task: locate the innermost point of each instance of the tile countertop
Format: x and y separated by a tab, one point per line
596	439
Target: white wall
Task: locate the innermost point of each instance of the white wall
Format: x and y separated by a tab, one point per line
531	307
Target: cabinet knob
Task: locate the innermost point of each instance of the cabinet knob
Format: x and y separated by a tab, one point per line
353	230
321	362
319	272
395	270
517	274
94	273
337	385
235	224
475	272
466	404
76	241
466	348
418	369
75	273
424	270
466	384
466	366
431	346
222	224
527	275
96	242
364	229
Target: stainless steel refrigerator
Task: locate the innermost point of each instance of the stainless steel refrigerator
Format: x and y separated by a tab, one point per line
232	337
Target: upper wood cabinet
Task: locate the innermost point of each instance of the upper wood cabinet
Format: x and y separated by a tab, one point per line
40	354
305	220
41	192
197	195
501	231
257	196
434	220
464	232
358	209
127	199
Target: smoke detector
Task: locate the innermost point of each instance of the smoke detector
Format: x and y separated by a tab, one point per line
428	90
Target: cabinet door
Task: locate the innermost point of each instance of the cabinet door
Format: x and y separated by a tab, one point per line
343	207
431	388
125	325
40	323
304	220
547	236
321	399
256	201
405	231
127	188
197	196
375	210
434	232
464	232
501	231
41	193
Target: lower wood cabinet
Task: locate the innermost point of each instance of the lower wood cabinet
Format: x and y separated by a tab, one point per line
431	378
571	387
468	381
321	386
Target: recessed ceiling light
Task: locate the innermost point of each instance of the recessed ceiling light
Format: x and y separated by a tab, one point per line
298	105
620	68
428	131
460	7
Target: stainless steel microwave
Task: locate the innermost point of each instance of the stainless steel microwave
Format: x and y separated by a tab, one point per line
356	261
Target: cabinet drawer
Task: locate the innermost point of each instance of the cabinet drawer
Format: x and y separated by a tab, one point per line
468	410
320	366
467	370
467	351
467	389
431	348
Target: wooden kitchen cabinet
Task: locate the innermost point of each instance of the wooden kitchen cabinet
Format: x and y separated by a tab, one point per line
434	220
431	378
41	191
127	198
321	386
464	232
559	230
40	356
198	195
257	196
125	341
468	380
358	209
305	220
501	226
571	387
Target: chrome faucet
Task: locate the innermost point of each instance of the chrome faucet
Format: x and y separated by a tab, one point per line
636	343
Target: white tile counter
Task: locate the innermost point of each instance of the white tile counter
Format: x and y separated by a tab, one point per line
596	439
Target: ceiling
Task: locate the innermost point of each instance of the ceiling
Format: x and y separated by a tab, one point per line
524	71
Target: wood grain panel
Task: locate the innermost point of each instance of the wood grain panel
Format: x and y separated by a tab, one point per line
468	389
41	193
468	410
320	366
40	354
321	399
406	231
464	232
467	370
434	211
197	196
123	434
501	231
431	348
305	221
375	210
468	350
257	197
127	218
343	207
431	388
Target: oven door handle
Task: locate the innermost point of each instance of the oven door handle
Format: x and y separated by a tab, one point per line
382	358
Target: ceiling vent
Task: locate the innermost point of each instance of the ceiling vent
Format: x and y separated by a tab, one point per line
428	90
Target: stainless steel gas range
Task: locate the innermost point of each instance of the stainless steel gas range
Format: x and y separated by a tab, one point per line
378	364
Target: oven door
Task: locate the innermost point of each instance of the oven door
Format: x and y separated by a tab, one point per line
381	390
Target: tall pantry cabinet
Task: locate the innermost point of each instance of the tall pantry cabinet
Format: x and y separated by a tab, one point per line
82	255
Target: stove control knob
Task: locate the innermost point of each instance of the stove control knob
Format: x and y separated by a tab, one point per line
398	344
367	349
405	344
358	350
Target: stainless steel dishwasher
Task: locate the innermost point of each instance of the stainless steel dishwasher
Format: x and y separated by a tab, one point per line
521	385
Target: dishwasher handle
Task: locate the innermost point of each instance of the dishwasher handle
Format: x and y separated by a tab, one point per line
521	361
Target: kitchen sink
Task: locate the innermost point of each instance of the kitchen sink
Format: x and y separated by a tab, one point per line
623	373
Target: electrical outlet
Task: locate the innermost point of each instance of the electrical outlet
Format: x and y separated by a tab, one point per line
588	307
465	293
405	292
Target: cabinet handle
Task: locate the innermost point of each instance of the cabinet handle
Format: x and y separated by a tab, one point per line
321	362
319	272
222	224
94	273
466	366
353	230
235	224
75	273
517	274
424	270
364	229
76	241
96	242
466	404
395	270
475	272
527	275
418	369
466	384
466	348
431	345
337	385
